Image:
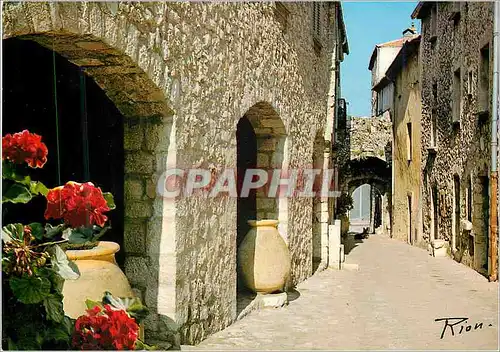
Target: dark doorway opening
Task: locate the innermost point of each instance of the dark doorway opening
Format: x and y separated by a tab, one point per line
434	213
377	216
410	219
484	241
246	208
456	195
73	113
317	162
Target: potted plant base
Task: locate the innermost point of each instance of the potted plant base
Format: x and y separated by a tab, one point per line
264	258
98	273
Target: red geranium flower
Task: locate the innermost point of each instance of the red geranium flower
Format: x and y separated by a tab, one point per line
24	147
106	329
79	204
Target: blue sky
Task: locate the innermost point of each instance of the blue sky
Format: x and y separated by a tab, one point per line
368	24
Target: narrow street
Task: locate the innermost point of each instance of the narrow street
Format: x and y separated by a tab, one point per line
391	302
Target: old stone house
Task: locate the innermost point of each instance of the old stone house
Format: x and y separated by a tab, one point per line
456	82
404	75
136	88
370	145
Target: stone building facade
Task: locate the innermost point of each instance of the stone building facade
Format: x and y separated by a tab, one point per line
456	59
404	73
183	76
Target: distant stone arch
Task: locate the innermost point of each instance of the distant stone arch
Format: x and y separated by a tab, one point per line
377	173
371	170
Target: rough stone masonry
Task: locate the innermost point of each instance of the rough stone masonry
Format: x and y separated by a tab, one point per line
183	75
456	115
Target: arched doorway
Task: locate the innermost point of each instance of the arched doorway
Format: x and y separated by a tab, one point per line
260	138
102	94
83	130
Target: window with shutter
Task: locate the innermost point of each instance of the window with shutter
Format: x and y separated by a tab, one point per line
316	26
316	19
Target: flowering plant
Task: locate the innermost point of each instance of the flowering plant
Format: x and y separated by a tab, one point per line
105	329
21	151
81	206
34	267
25	147
110	325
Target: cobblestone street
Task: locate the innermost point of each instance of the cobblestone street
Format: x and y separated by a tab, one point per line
389	303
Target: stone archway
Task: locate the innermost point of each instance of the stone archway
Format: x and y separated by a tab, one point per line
147	123
269	146
260	143
377	173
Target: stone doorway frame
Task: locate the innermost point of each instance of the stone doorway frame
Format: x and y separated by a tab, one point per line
149	237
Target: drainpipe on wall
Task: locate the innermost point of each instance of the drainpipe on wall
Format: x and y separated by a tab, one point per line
493	245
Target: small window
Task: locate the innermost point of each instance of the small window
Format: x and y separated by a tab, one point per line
380	102
470	83
455	17
457	96
484	80
455	14
317	19
409	144
434	135
434	93
316	27
342	114
433	23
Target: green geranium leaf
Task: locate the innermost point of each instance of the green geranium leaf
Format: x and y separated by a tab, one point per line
81	235
37	187
53	231
30	290
132	305
91	304
110	200
101	232
54	307
61	265
141	346
57	333
12	232
55	278
16	193
9	172
69	324
37	230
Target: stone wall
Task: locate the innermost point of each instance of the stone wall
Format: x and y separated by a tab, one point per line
463	148
406	163
371	136
209	64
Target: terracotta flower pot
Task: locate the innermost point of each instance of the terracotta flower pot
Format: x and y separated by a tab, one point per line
264	258
98	273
